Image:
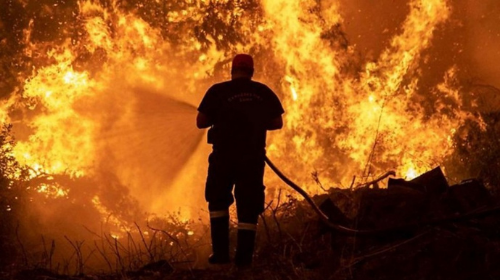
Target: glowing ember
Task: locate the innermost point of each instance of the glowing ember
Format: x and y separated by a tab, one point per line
52	191
411	174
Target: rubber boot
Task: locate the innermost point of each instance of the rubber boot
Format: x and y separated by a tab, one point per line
245	247
219	229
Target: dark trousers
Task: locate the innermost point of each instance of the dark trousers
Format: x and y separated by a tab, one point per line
246	175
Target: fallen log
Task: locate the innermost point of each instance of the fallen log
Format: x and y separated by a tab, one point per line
373	232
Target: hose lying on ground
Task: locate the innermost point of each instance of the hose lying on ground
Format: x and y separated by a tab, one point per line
370	232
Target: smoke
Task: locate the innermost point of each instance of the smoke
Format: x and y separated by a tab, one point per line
482	29
370	25
470	38
149	147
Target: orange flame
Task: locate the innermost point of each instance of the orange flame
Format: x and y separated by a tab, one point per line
345	115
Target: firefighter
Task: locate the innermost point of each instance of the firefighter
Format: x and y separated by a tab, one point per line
239	112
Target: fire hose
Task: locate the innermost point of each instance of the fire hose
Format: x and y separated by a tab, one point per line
371	232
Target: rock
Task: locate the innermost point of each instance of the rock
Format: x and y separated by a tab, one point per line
432	182
386	208
467	196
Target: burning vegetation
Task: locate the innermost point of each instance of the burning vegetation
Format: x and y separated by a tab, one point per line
102	167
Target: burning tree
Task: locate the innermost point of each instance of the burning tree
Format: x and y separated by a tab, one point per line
102	95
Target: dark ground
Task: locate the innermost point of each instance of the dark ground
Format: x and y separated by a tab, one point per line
294	244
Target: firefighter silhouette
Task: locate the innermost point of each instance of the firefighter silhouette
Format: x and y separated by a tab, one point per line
239	112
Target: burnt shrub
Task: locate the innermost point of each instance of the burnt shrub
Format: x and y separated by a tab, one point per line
12	195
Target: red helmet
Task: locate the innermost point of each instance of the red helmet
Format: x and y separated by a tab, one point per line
242	61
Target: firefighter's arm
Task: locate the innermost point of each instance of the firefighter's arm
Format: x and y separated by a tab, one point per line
202	120
276	123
